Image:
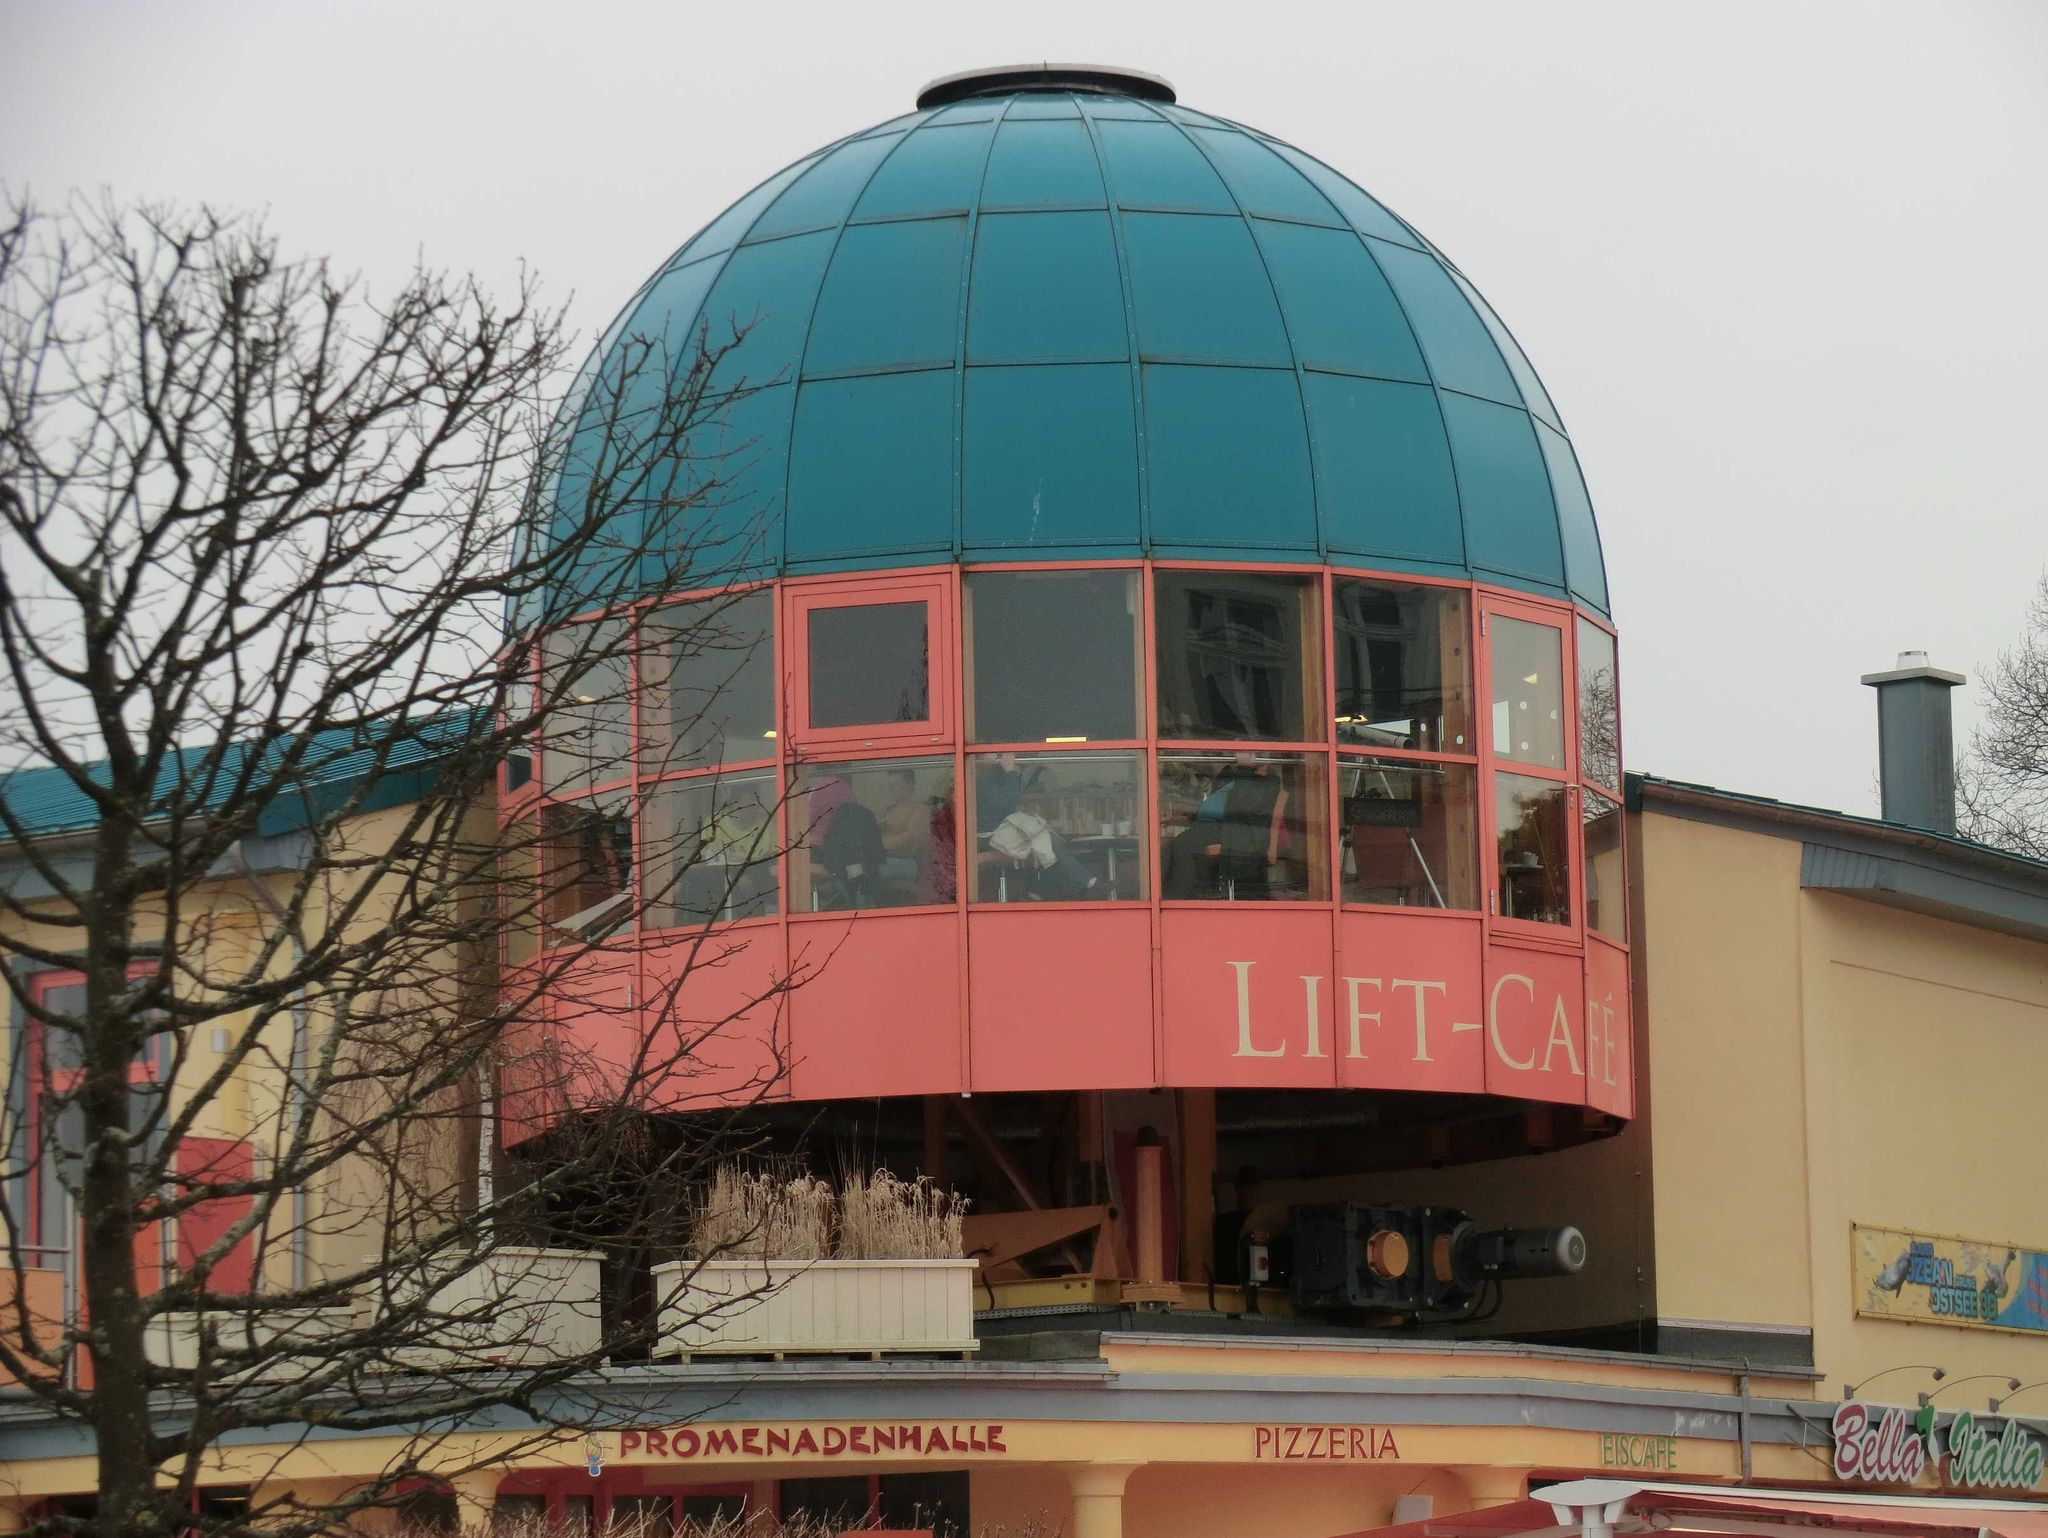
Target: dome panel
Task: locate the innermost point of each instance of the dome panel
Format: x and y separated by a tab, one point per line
1049	105
764	295
739	465
961	299
1384	482
1118	109
976	109
1227	455
1153	165
821	197
891	298
1043	165
931	173
731	227
1340	313
1365	213
1261	182
1504	489
1534	396
1050	459
1455	340
1201	293
1045	289
1584	567
871	467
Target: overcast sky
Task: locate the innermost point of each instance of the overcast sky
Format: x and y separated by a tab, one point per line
1780	264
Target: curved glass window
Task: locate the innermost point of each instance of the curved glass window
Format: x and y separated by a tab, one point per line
875	834
1240	656
1404	666
1052	656
1606	884
1528	692
707	694
1408	833
1599	708
587	710
1533	849
709	847
586	868
1242	827
1057	827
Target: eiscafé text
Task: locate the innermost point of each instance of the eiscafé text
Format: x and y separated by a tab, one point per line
829	1441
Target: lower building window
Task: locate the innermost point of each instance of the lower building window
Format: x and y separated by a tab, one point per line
1408	833
1241	827
1533	849
876	834
1057	827
710	849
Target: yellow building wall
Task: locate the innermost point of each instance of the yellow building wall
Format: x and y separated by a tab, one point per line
1929	1049
1726	1081
1815	1061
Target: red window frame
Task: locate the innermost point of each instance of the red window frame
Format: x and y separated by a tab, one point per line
1592	791
1467	757
1560	621
803	599
40	1077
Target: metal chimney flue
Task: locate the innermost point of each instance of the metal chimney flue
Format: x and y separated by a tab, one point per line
1916	751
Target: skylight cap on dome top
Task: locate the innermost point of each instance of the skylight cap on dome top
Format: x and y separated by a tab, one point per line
1003	79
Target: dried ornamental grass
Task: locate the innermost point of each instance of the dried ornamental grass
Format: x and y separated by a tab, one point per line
742	1216
875	1217
884	1218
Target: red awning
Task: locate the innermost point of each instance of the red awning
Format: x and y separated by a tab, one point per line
1625	1509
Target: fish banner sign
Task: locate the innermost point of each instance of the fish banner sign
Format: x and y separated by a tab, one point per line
1937	1279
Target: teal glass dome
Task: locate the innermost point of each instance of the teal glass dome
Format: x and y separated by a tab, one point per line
1062	317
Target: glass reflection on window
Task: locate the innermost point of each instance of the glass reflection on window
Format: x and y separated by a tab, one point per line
586	706
710	849
870	664
586	868
1241	827
1240	656
1404	671
1599	708
1057	827
1606	892
1528	692
875	834
708	684
1534	850
1409	833
1054	656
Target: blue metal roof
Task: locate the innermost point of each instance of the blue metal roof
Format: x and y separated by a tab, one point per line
1065	324
341	768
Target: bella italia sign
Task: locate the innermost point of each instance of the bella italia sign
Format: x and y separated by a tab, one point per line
1880	1444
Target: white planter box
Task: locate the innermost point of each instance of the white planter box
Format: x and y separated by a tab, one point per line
814	1305
172	1340
512	1307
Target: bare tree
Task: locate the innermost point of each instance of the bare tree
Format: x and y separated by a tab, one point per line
2002	781
286	571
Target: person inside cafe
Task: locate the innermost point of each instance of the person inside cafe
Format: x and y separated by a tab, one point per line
1232	848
